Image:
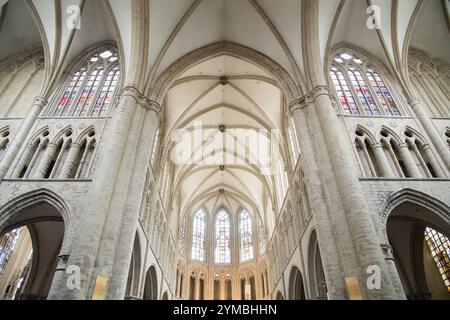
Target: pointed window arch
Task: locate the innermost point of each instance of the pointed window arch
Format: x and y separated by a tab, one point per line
361	89
222	236
90	88
246	236
198	236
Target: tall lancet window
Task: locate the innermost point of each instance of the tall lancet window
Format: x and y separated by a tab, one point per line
360	89
198	236
246	237
90	87
222	254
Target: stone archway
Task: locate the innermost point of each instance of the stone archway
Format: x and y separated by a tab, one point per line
408	218
151	285
44	217
296	285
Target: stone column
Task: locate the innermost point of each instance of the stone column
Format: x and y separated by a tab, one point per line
392	268
433	162
124	221
85	247
19	138
331	260
359	217
431	130
380	158
70	161
45	161
58	278
408	160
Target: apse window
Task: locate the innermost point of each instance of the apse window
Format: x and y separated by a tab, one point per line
440	250
198	236
245	227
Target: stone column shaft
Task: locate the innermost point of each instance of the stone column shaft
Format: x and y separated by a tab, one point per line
366	242
70	161
45	162
433	162
380	158
19	138
324	229
85	247
408	160
432	132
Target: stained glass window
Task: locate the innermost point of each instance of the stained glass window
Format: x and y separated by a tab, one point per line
182	237
440	250
360	89
262	237
198	235
222	252
246	238
7	245
91	88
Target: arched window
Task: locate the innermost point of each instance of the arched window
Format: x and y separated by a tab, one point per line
222	254
90	88
198	236
422	155
366	155
84	157
394	158
182	236
4	141
262	237
32	156
246	237
439	246
360	89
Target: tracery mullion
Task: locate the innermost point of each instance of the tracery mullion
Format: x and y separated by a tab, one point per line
374	94
377	76
98	95
349	98
93	103
348	79
69	104
74	103
430	92
379	95
96	75
364	88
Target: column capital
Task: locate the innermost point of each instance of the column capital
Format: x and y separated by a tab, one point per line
40	101
141	99
309	98
413	102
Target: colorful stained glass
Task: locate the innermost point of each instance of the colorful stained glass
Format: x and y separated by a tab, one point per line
7	245
222	254
439	246
246	238
198	236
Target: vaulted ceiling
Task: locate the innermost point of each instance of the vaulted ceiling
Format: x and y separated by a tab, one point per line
274	28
